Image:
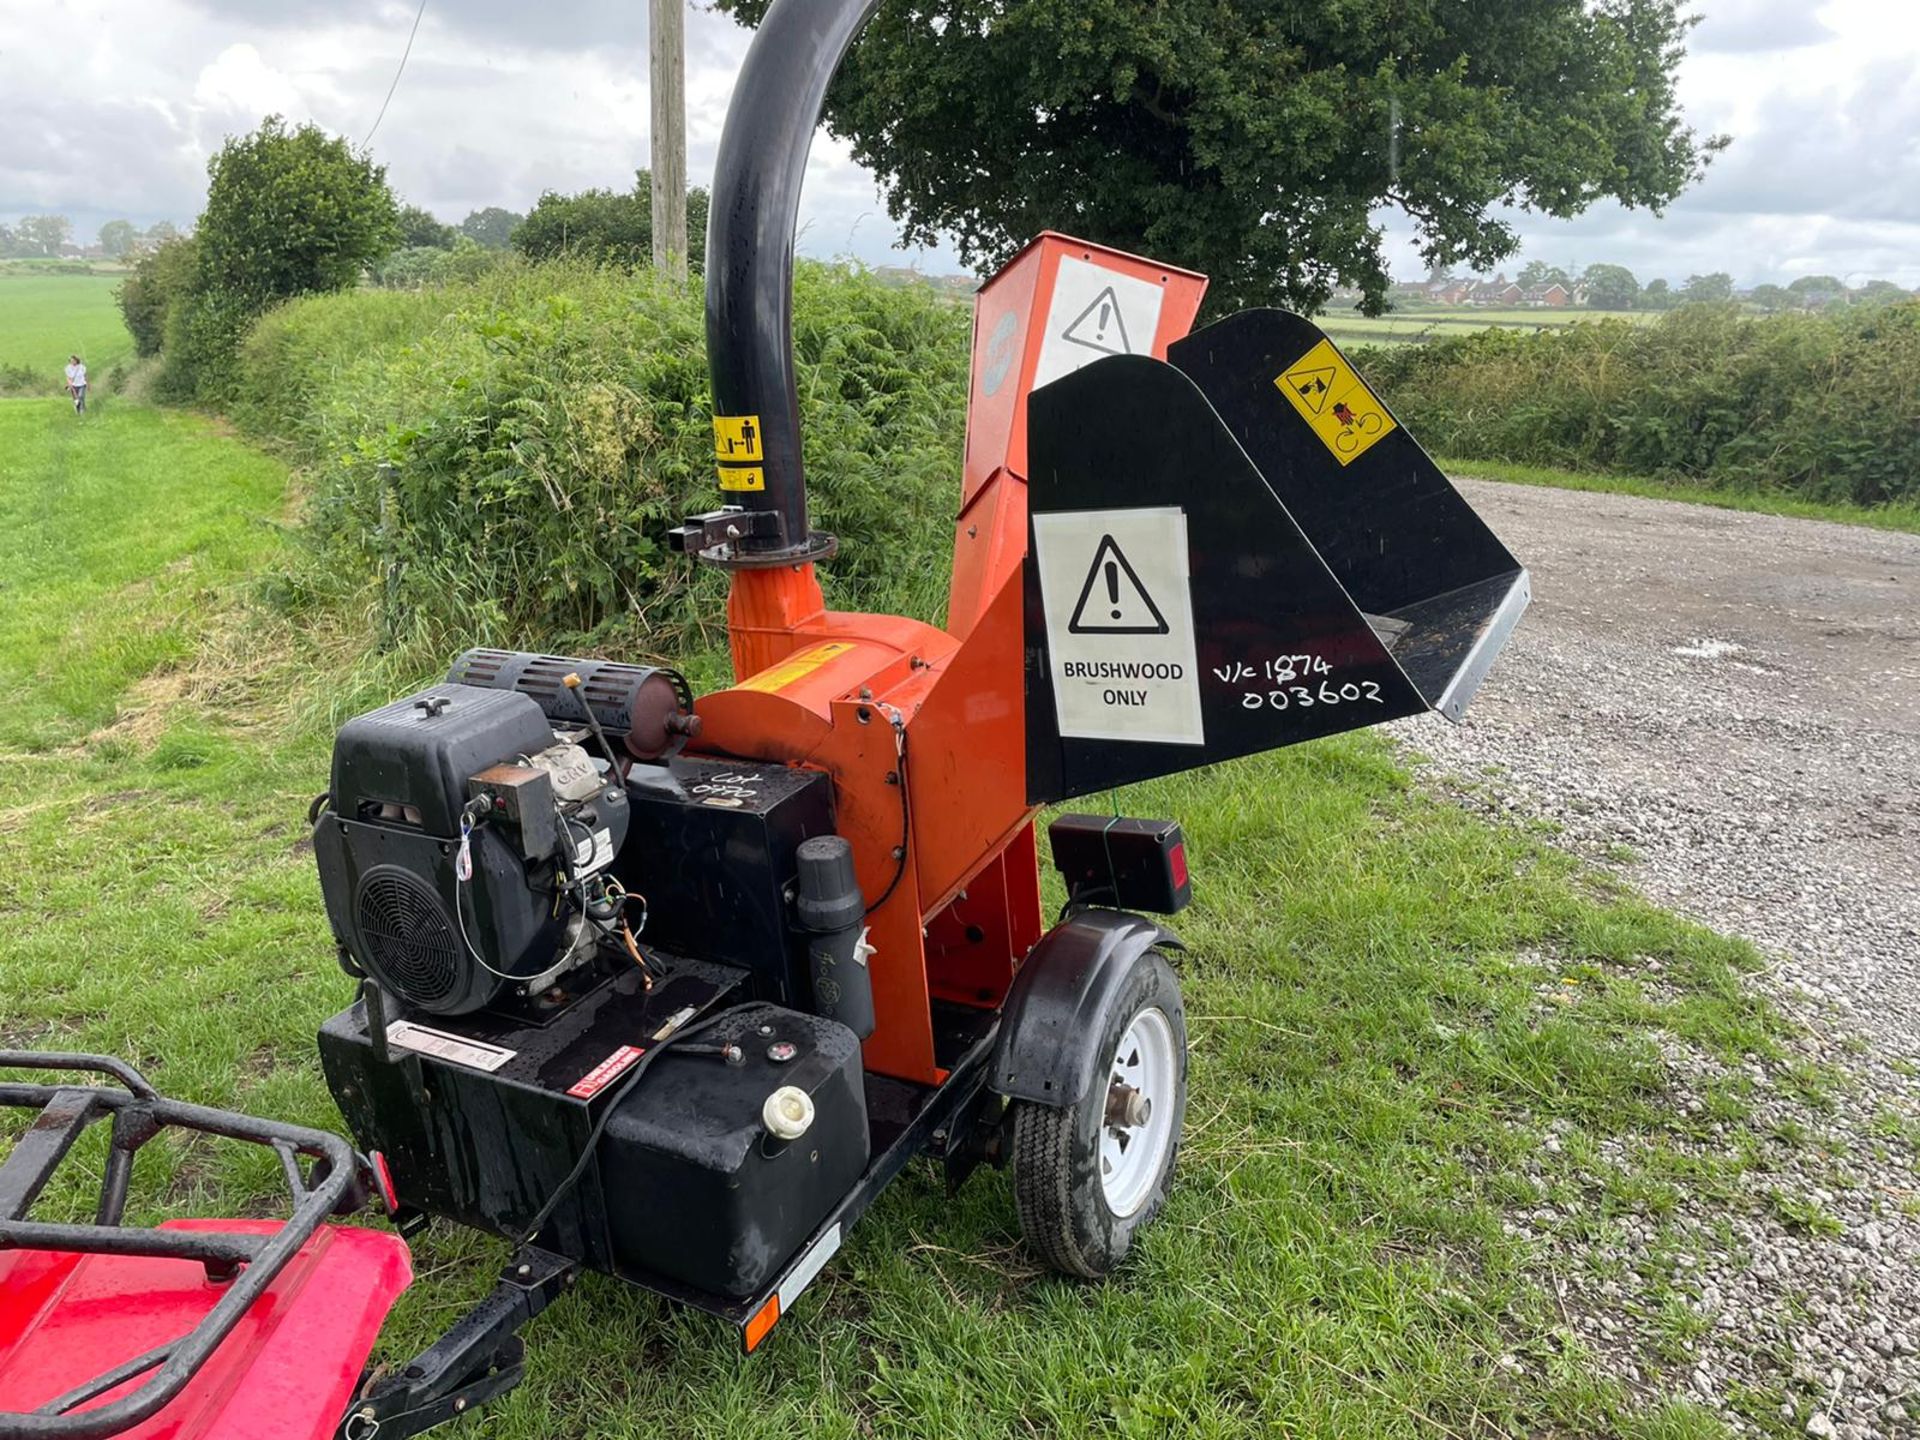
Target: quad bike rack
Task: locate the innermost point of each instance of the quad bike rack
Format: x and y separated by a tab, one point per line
1173	547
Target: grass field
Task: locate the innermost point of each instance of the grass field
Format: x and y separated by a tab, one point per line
45	318
1349	327
1391	1000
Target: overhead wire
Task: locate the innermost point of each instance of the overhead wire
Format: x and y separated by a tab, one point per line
398	72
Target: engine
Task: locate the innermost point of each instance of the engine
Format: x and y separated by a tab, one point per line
467	840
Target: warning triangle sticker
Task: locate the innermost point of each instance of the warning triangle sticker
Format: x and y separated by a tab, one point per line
1100	326
1112	599
1313	386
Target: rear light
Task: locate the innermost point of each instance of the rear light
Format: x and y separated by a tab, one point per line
1124	864
1177	864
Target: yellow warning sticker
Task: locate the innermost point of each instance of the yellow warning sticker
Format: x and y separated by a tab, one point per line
742	477
736	439
778	677
1336	402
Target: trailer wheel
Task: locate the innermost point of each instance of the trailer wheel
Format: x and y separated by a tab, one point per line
1087	1176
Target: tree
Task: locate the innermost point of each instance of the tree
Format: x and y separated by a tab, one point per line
606	227
117	238
1817	291
1538	272
290	212
1658	295
9	242
159	233
419	230
147	296
1717	286
1772	297
1610	287
1881	292
1254	141
44	234
492	227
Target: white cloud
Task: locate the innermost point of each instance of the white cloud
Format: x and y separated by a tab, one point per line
503	99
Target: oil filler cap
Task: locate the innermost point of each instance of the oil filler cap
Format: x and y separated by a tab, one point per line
788	1113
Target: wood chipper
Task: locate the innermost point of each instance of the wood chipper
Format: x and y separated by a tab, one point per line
669	987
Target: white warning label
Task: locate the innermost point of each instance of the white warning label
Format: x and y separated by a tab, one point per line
1119	614
1096	312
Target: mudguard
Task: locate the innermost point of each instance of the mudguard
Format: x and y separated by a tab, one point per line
1045	1049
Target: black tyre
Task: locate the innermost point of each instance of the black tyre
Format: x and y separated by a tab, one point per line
1087	1177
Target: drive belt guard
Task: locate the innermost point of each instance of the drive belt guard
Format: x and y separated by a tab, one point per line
1238	550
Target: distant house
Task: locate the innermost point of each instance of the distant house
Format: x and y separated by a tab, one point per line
1450	292
1550	297
1497	291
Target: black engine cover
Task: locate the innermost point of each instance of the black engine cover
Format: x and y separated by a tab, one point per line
387	848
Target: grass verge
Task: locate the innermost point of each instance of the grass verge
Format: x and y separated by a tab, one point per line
1392	1003
1905	518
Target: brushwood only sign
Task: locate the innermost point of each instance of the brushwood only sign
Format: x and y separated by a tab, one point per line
1119	611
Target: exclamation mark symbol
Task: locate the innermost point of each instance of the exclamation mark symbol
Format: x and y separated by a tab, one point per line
1113	588
1106	314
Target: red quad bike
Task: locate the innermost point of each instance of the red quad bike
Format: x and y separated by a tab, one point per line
670	988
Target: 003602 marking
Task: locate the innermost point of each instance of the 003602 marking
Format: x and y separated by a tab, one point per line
1303	696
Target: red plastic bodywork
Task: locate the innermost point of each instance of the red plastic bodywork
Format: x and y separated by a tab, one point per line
285	1373
842	692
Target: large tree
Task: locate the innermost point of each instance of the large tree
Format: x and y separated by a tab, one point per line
1254	139
292	211
1610	287
117	238
419	229
1716	286
492	227
44	234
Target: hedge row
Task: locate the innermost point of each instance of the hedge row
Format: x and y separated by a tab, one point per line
1824	406
499	461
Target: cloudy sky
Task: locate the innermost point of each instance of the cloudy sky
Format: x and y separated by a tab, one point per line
110	109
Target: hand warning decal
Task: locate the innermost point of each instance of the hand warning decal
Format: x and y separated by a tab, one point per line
1112	599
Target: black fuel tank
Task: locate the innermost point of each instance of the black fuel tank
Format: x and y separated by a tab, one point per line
698	1189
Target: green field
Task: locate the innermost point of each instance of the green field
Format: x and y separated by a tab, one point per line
1392	1001
45	318
1350	327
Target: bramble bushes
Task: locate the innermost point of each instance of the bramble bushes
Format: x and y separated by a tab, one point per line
1823	406
500	461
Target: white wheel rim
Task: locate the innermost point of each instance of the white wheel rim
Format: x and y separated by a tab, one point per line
1132	1156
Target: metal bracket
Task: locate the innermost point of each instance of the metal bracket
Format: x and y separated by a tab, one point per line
479	1359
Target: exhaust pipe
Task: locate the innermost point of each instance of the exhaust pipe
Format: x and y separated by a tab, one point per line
750	237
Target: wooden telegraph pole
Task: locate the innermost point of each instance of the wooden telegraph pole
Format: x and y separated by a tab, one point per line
669	71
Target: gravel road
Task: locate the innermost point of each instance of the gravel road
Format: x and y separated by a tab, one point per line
1725	709
1735	698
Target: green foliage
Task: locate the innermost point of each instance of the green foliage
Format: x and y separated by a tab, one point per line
492	227
147	296
1708	288
546	425
420	231
290	212
606	228
118	237
416	267
36	236
1610	287
1255	141
1822	406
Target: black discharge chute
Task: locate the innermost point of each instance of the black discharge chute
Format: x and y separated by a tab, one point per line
1236	550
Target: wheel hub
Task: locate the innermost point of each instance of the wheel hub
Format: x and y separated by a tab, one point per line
1136	1130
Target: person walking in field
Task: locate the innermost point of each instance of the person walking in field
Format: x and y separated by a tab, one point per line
77	384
